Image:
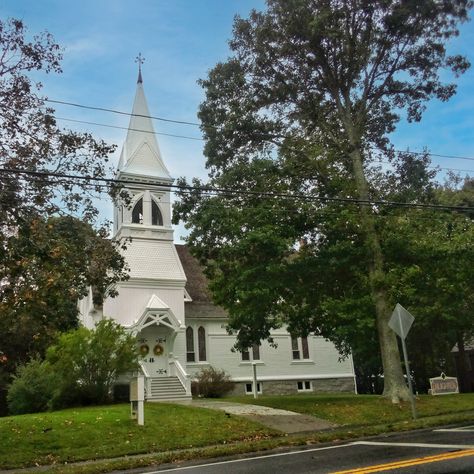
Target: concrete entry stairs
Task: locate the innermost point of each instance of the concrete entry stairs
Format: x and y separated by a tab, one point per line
165	388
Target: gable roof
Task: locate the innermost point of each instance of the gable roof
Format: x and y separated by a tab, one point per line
197	285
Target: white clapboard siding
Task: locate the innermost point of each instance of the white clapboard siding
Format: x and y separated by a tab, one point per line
133	299
275	363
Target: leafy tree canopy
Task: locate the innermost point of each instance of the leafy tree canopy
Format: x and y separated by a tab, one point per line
303	108
47	257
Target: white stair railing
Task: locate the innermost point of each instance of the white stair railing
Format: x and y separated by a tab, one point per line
177	370
144	371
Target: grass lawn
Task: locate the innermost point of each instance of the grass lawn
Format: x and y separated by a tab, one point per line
363	410
97	433
103	432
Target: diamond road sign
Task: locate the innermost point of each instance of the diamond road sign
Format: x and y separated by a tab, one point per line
401	321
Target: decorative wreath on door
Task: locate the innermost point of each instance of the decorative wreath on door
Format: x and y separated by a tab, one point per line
158	350
144	350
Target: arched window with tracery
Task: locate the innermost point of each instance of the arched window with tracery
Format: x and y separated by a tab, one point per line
156	217
137	212
202	343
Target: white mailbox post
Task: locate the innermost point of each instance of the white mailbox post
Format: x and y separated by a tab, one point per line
137	398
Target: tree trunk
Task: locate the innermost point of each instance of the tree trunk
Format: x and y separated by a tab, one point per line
395	386
461	365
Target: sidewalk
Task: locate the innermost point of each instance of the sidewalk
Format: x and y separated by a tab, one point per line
281	420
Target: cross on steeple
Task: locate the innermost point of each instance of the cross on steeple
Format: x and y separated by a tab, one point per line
140	60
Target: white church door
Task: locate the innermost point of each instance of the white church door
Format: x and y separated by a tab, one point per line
154	347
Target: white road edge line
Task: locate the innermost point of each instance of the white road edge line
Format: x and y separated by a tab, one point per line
197	466
416	445
461	429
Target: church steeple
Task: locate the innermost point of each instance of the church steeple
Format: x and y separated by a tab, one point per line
148	215
141	154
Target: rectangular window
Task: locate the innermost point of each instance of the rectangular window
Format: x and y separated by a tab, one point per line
294	348
245	355
249	388
304	386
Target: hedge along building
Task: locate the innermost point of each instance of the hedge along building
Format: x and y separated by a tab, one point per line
167	304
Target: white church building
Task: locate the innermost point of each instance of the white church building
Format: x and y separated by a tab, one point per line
167	305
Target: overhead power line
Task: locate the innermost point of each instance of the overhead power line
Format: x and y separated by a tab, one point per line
120	112
127	128
237	192
196	124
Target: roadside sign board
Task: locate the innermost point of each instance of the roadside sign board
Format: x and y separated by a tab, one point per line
401	321
443	385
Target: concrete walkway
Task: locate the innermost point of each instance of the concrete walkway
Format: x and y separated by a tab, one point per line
282	420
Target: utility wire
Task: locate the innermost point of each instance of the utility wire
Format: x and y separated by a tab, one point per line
120	112
434	167
183	122
202	139
237	192
127	128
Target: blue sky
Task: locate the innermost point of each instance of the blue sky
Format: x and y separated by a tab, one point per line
181	40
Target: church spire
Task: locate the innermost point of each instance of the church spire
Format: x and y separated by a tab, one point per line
141	154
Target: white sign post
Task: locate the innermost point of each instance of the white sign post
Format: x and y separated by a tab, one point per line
137	397
401	322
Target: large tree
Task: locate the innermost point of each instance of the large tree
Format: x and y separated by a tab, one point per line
304	105
47	256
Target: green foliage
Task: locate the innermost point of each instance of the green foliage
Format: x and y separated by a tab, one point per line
87	362
303	108
46	267
42	269
212	383
32	388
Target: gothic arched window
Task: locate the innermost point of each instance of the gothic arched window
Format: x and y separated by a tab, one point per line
202	343
190	356
156	217
137	212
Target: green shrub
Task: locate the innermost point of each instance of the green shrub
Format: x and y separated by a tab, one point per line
32	388
89	361
212	383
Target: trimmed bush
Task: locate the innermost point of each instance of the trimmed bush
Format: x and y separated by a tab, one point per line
32	388
212	383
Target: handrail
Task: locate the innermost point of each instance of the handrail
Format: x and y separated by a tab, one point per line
147	379
183	377
143	369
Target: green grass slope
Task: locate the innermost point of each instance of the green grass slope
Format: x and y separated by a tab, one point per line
105	432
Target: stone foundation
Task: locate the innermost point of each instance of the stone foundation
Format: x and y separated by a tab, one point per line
288	387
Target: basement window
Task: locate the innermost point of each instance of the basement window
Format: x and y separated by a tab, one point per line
304	386
249	388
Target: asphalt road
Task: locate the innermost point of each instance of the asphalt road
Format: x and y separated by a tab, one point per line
448	450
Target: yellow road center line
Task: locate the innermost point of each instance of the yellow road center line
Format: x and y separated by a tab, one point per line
408	462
